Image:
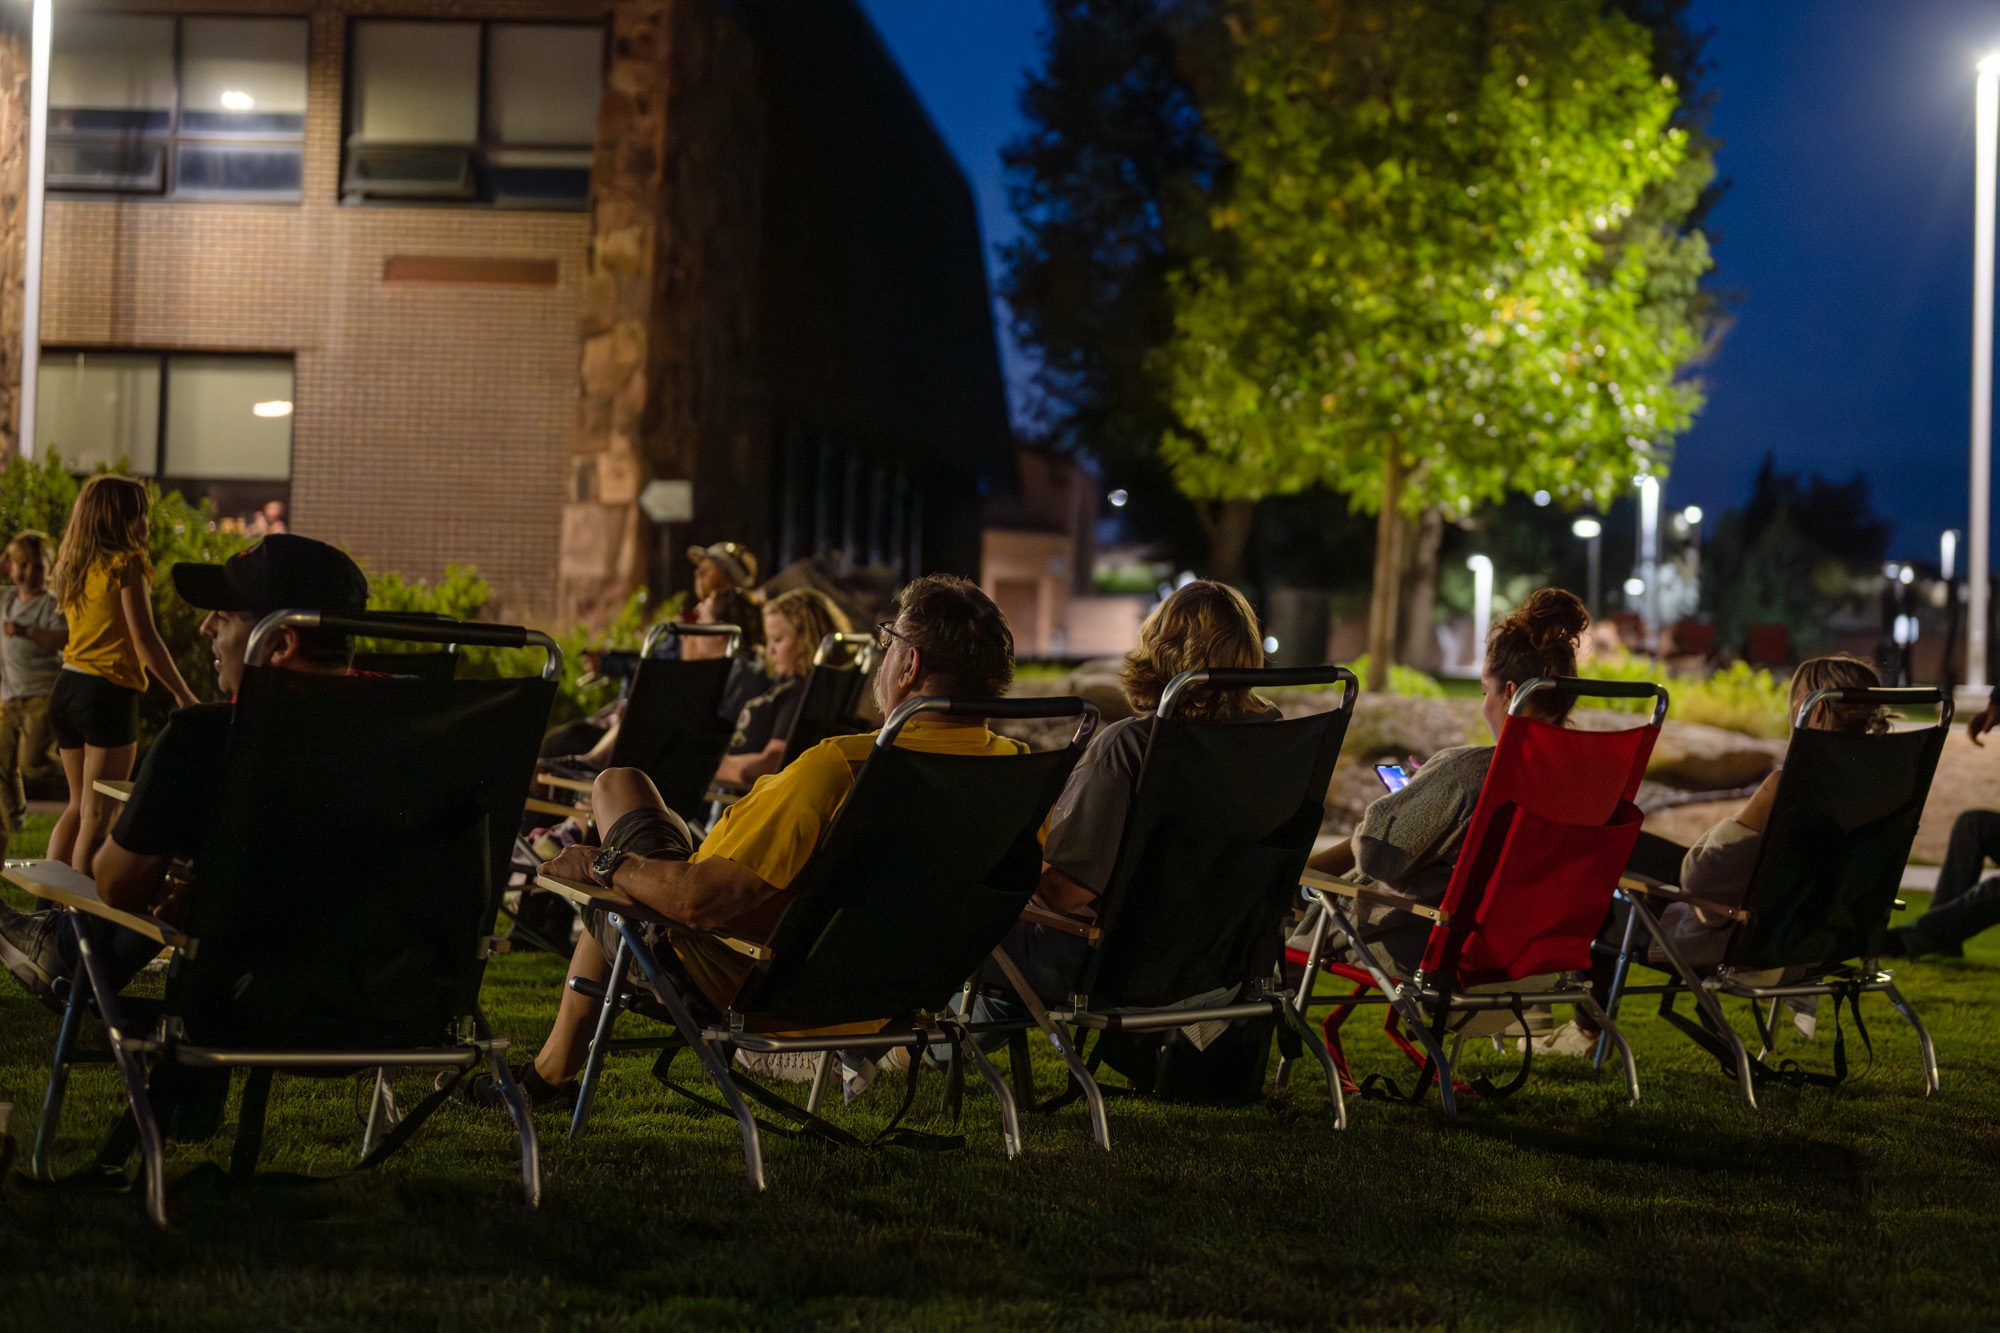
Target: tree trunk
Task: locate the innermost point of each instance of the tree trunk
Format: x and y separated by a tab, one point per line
1422	537
1388	583
1229	523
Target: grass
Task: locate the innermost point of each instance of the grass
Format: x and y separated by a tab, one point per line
1561	1208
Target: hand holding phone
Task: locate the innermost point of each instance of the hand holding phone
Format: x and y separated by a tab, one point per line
1393	776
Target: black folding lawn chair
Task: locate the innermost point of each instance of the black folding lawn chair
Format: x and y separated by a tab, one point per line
1220	827
439	664
1820	897
828	709
341	910
926	866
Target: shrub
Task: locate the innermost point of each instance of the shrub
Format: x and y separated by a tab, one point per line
1737	697
1403	680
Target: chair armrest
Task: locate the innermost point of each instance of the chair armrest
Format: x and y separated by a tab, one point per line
117	791
588	895
551	780
1313	879
1039	915
725	794
58	882
1674	895
542	807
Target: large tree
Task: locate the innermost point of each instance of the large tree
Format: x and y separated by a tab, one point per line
1448	266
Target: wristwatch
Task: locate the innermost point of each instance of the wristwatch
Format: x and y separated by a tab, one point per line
605	864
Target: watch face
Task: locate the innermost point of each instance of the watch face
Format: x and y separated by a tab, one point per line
602	864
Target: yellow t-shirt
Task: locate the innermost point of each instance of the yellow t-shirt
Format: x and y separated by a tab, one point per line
98	641
773	831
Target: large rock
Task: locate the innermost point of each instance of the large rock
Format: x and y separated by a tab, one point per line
1696	757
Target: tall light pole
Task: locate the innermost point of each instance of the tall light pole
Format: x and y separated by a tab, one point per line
1482	603
41	38
1592	532
1986	105
1649	555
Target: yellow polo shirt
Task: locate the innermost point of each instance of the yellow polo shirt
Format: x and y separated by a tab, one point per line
775	828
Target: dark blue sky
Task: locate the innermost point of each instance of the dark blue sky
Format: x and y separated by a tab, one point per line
1845	237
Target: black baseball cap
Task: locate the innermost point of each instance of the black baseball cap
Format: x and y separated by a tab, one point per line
282	572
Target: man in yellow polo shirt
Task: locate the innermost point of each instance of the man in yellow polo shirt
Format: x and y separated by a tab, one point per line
948	638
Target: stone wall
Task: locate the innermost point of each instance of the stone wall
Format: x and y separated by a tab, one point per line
13	217
669	389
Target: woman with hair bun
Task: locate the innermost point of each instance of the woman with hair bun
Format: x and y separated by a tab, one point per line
1409	840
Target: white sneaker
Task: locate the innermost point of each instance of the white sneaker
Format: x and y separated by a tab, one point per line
784	1066
1806	1023
1569	1039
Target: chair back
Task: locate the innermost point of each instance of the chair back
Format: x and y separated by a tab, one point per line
1552	832
923	871
1839	836
671	730
832	693
441	664
1220	826
359	847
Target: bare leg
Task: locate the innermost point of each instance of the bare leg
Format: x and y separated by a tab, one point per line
569	1040
63	838
615	793
97	810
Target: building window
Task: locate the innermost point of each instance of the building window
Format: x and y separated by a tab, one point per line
189	108
215	427
496	113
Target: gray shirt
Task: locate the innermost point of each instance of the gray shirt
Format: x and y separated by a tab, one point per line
28	670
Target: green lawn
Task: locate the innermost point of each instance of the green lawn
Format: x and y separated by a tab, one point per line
1561	1208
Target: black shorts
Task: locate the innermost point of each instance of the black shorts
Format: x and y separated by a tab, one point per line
90	710
657	835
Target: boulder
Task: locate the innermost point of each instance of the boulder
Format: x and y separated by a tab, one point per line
1696	757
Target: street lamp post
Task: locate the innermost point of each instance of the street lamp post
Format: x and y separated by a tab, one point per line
1649	556
1482	603
1986	106
1592	532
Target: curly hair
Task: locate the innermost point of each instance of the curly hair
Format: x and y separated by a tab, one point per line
962	635
1539	639
733	606
1204	624
812	616
1839	671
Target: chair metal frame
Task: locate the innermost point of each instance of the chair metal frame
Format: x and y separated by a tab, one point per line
1421	1002
715	1043
1706	991
89	985
1264	997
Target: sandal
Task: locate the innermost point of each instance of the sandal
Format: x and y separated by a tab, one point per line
483	1089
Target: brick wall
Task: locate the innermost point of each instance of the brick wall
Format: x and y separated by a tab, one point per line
434	420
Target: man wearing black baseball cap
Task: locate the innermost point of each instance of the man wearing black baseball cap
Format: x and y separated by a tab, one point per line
169	813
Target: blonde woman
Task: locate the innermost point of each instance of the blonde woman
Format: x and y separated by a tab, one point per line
104	583
794	624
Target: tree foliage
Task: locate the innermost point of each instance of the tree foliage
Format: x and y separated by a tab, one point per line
1435	250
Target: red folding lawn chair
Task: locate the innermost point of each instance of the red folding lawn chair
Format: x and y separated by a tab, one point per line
1551	835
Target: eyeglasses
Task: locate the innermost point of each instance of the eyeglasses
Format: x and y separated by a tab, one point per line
886	630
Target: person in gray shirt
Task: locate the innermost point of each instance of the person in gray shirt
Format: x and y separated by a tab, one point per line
32	634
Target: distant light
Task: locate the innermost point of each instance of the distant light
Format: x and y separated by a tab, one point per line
1692	514
1270	643
236	100
1476	563
1634	586
1908	575
1906	631
1948	553
1118	499
1587	528
1541	499
1991	64
1185	577
277	407
1890	570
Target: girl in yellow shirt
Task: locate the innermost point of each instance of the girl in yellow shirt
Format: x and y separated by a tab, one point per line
104	583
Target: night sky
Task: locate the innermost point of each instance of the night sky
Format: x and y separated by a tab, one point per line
1844	241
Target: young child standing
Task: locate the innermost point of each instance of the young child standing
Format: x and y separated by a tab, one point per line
32	635
104	583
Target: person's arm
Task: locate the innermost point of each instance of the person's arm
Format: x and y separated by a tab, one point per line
1059	893
747	768
703	895
1406	830
600	753
135	599
52	640
1984	720
127	880
1756	812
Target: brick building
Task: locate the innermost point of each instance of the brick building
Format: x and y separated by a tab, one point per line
454	281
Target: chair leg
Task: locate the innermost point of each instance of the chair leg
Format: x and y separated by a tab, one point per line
1704	1000
1609	1029
1767	1028
1308	979
1618	973
1401	1004
382	1116
1908	1011
600	1042
40	1165
524	1120
1100	1125
718	1072
1337	1100
822	1080
152	1147
1010	1113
